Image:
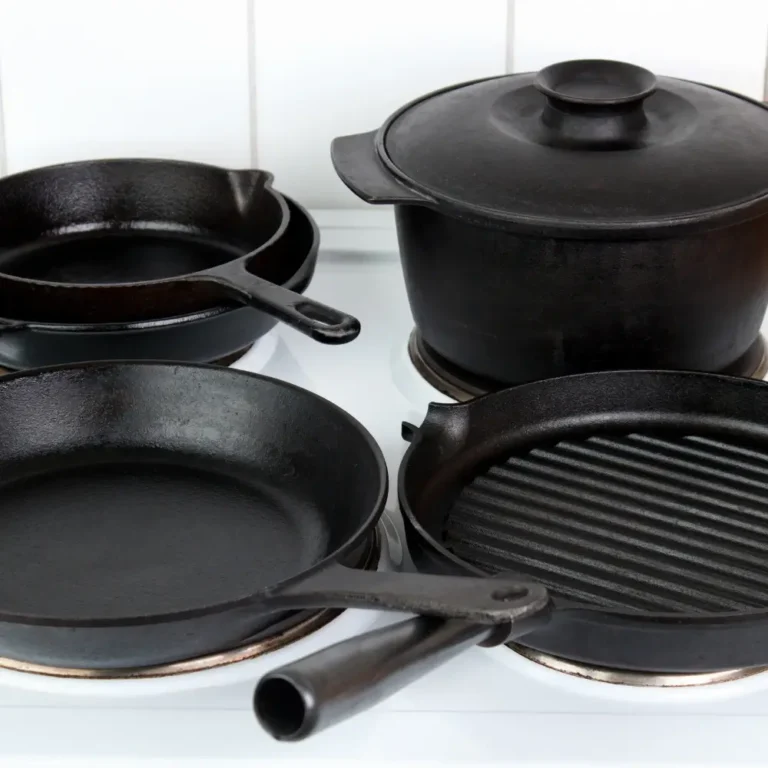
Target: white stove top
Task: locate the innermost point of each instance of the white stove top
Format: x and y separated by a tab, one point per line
486	706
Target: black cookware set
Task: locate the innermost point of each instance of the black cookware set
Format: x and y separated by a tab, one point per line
589	243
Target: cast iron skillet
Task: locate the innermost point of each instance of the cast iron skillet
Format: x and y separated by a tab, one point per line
637	500
153	512
115	241
203	336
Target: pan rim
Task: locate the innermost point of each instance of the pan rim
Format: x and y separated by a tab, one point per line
184	277
293	282
253	598
584	611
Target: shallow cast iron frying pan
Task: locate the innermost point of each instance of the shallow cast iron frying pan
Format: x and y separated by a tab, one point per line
114	241
197	337
153	512
638	500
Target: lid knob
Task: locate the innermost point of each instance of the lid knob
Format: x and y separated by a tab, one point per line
595	83
594	104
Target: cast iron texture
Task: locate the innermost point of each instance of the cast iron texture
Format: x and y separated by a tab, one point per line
639	521
588	218
637	501
120	241
154	512
202	336
523	308
638	498
144	505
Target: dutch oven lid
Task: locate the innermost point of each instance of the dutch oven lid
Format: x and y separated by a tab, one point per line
584	146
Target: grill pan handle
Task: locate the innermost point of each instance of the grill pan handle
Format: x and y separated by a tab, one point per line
318	691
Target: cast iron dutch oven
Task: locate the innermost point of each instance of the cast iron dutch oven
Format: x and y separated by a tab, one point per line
152	258
586	217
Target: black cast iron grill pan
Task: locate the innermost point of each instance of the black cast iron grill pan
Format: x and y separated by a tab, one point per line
638	500
119	241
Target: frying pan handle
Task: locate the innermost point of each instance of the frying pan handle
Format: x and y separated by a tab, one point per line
316	320
318	691
477	599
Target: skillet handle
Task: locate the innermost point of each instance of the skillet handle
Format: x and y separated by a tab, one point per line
318	691
318	321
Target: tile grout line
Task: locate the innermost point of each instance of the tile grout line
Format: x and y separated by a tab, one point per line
765	70
3	143
252	100
509	56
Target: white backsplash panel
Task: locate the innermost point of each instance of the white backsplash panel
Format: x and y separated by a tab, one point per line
720	42
327	69
102	78
259	82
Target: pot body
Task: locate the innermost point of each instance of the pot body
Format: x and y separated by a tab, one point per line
511	308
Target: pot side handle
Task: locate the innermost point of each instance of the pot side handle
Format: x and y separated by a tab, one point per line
357	164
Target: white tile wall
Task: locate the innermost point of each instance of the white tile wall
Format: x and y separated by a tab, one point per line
98	78
325	69
722	42
240	82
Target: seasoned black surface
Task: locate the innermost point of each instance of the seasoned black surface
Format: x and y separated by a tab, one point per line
107	256
198	337
640	498
636	521
145	506
125	539
60	228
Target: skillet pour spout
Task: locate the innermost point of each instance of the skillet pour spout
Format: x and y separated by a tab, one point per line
336	683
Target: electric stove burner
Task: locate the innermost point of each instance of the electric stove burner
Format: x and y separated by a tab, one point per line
290	630
444	376
635	678
462	386
232	358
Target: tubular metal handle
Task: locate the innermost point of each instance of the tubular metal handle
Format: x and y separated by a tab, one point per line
323	689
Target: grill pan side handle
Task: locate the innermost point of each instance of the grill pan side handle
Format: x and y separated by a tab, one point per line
336	683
